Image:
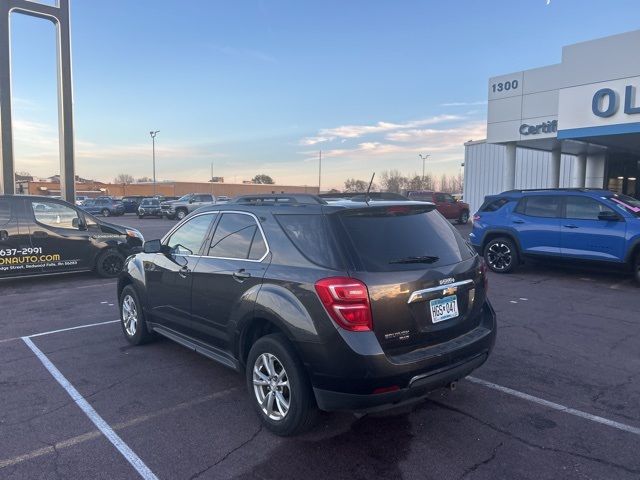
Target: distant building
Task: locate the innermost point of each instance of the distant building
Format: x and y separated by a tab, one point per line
93	189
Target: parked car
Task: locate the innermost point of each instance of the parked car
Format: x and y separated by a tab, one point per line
572	224
131	203
149	207
222	199
80	199
41	235
343	306
105	206
186	204
446	204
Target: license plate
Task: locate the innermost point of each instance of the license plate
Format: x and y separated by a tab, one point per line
444	308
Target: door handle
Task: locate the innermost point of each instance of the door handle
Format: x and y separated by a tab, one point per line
184	272
518	221
570	226
241	275
4	234
40	234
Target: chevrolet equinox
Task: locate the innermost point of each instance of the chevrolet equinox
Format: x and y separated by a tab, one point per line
352	305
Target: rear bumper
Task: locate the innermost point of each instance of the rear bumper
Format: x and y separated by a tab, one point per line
351	386
418	388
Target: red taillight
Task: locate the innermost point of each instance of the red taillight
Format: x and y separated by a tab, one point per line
398	210
392	388
347	301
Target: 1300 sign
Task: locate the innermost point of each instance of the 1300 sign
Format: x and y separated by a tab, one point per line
505	86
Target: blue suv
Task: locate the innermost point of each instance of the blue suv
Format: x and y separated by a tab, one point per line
574	224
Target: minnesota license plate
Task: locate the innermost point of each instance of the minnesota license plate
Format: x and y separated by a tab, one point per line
444	308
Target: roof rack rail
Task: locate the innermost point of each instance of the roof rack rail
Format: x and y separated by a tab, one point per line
559	189
279	199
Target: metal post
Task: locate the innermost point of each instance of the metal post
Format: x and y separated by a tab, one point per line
153	149
319	171
424	159
59	15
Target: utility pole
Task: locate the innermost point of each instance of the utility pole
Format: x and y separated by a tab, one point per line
211	178
424	159
153	142
319	171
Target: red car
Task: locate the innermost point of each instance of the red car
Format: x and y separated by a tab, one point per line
448	206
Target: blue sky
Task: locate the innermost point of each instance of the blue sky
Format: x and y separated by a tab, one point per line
260	86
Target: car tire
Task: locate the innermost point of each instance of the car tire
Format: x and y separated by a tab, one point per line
270	399
463	219
109	263
105	212
636	269
501	255
132	320
180	214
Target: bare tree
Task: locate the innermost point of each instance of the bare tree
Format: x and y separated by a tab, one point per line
393	181
144	180
444	183
351	185
123	178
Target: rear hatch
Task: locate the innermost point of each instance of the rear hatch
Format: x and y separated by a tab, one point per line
426	285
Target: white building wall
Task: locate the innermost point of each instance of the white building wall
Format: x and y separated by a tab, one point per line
484	169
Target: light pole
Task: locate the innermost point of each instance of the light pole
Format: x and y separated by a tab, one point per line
424	159
153	143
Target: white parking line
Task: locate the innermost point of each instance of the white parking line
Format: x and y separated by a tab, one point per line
85	437
71	328
556	406
97	420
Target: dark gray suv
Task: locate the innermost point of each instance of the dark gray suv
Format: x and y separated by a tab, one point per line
351	305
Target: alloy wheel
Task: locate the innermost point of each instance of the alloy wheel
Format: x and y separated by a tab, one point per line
112	264
130	315
271	386
499	256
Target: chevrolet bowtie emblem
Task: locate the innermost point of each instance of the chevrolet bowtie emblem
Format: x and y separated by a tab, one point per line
450	290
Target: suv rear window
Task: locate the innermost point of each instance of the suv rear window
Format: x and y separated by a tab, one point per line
310	235
494	204
403	238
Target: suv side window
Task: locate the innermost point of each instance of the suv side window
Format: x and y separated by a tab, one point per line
545	206
55	214
448	198
188	239
440	197
202	198
238	236
5	210
584	208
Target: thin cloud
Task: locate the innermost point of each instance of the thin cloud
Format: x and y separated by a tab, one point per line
464	104
357	131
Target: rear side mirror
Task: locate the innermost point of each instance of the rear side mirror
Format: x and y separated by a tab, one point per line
191	200
152	246
609	216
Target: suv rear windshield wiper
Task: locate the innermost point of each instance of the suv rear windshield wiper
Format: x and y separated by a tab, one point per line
421	259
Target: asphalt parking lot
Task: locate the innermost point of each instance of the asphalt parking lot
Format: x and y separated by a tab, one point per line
558	398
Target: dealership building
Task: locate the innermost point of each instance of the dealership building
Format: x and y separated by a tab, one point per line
572	124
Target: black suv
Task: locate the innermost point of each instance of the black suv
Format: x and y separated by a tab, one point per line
41	235
342	306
